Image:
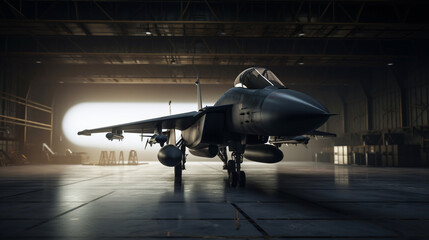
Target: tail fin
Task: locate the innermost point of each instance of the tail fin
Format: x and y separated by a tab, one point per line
199	98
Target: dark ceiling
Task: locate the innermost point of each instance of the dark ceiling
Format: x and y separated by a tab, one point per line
170	41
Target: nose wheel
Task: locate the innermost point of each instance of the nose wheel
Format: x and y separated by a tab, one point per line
242	179
233	179
235	175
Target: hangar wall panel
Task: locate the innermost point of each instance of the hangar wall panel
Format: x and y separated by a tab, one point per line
386	100
356	114
334	104
418	95
9	132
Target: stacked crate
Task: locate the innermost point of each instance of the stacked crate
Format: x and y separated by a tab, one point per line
358	155
378	155
342	155
373	156
401	155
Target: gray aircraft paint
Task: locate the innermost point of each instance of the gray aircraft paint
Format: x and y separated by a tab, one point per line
246	115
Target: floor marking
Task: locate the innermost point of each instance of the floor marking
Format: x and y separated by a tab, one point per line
61	214
85	180
251	221
14	195
347	214
67	184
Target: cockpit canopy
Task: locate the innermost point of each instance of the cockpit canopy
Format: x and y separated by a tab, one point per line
257	78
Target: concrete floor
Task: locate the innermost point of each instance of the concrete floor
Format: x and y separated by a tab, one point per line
286	200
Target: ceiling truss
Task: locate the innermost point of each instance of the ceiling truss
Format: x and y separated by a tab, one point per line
172	33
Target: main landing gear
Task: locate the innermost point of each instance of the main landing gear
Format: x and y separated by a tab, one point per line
235	175
181	166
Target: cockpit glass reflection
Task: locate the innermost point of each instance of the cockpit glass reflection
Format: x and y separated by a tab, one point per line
257	78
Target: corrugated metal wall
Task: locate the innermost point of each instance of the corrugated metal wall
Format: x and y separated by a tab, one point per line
418	95
386	102
8	131
385	93
356	110
335	105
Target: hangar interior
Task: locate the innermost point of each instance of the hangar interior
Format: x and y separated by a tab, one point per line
366	61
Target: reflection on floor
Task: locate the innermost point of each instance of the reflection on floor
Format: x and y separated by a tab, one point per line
285	200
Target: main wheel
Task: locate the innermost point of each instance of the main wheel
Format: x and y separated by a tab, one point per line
233	179
242	179
231	166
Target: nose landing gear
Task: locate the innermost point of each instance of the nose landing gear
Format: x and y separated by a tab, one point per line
235	175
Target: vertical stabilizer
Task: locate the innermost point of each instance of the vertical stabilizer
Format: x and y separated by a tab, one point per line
199	98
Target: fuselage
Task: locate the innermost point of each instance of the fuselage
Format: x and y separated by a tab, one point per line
243	119
257	113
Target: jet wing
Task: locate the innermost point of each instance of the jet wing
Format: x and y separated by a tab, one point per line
320	133
177	121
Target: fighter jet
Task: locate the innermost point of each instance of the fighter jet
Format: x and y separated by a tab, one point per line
252	119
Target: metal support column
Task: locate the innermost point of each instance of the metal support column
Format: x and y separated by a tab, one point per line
341	94
369	111
26	114
400	74
51	131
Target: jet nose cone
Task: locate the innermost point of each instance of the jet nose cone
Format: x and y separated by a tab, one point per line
293	113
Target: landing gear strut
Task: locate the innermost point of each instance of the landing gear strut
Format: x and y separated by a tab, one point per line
183	149
178	172
181	166
224	157
235	175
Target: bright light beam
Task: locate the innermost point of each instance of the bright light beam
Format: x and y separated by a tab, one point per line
100	114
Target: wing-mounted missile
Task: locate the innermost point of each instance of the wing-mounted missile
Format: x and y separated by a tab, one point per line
112	136
279	140
156	138
161	139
